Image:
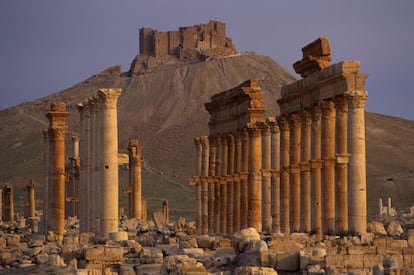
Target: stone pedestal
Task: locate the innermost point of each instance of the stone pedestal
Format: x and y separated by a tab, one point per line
109	161
57	129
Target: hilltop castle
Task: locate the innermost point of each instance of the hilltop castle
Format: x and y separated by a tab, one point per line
188	44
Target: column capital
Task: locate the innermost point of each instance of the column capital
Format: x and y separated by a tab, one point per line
341	104
327	105
108	97
197	142
294	169
304	166
294	120
254	131
212	140
283	123
316	112
329	162
57	115
274	127
357	100
204	141
230	138
134	150
56	134
316	163
306	117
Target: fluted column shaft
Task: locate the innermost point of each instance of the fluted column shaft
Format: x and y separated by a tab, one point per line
236	183
316	170
357	164
341	175
135	181
284	174
275	169
204	184
266	180
328	129
109	161
305	172
229	180
217	188
197	143
244	196
255	179
223	184
211	189
295	139
57	130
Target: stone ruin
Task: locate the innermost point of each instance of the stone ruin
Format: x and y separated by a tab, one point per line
303	171
188	44
282	194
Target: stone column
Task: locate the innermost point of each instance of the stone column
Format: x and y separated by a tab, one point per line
284	174
266	180
46	184
229	180
8	203
328	143
166	211
31	199
255	178
275	166
83	173
342	159
316	170
295	138
223	185
380	206
204	184
197	143
1	205
389	206
57	129
357	164
217	187
109	161
211	189
305	172
135	183
244	197
236	182
75	176
144	209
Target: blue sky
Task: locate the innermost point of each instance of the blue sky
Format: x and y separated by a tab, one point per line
48	45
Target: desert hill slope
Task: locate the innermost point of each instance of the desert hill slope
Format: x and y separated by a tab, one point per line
164	109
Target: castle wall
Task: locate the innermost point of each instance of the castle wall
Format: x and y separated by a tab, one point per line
146	41
174	42
160	44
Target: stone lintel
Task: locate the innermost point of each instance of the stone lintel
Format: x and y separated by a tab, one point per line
342	158
316	163
329	162
316	56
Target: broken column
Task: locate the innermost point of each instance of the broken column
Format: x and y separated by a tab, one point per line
31	199
57	129
8	203
135	183
108	201
166	211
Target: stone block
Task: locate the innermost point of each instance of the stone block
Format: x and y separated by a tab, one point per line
118	236
56	260
399	243
367	238
13	240
334	260
254	270
224	242
126	270
193	252
353	261
181	264
394	229
86	238
303	260
160	222
3	243
377	228
361	250
380	242
288	261
371	260
410	237
256	246
242	238
104	254
205	242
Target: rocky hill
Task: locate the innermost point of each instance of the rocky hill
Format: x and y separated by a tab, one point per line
164	108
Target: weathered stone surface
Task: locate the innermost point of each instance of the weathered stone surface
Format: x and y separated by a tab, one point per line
377	228
242	238
255	246
254	270
104	253
205	241
13	240
181	264
394	229
160	221
288	261
118	236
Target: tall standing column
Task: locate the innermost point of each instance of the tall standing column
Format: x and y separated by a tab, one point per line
244	196
275	166
266	180
92	157
316	170
8	200
255	178
223	185
199	148
135	184
305	171
217	190
357	164
211	189
295	129
75	176
31	199
229	180
1	205
236	184
83	171
328	141
46	183
204	184
109	162
342	158
284	173
57	129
